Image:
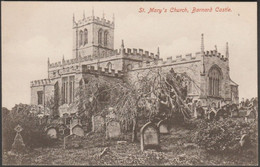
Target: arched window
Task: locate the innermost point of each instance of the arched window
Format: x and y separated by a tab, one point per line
85	36
214	81
100	36
129	67
109	66
80	37
106	38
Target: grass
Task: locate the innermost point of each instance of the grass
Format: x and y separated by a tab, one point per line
174	151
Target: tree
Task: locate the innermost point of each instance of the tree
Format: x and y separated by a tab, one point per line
142	98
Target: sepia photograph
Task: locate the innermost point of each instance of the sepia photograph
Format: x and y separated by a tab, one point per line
129	83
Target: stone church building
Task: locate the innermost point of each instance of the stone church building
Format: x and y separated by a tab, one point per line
94	54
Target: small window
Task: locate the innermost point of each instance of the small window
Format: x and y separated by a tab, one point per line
109	66
40	97
129	67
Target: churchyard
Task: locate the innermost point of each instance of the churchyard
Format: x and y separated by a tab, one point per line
116	124
160	143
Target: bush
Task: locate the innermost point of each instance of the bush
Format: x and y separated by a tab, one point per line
223	136
33	132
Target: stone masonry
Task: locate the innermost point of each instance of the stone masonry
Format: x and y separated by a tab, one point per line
94	55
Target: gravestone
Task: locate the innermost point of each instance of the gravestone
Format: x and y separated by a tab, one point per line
52	132
77	130
163	127
113	129
150	136
72	141
75	121
62	128
250	116
66	132
18	144
211	115
98	123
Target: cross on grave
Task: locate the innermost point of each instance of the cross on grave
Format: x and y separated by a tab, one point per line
18	144
18	128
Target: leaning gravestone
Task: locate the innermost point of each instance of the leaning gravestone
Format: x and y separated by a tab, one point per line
150	136
18	145
113	129
72	141
98	123
163	127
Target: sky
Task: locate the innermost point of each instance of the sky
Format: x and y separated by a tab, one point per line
34	31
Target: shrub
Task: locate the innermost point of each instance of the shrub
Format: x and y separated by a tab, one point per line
223	136
33	132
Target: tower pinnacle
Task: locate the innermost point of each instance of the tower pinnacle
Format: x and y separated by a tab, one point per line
92	12
227	51
113	17
202	42
84	14
158	51
48	61
216	48
122	44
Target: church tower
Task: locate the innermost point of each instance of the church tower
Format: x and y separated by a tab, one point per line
93	37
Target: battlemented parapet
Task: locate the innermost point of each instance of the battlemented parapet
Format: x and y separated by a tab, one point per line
101	71
139	54
136	53
169	61
41	82
94	19
215	53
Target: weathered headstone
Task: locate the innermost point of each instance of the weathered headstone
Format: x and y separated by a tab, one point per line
62	128
211	115
66	132
77	130
18	144
244	140
150	136
113	129
72	141
163	127
250	116
234	113
52	132
98	123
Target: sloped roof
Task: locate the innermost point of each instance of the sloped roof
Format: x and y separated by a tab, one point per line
232	82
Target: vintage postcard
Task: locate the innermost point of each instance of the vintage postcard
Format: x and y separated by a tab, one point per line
129	83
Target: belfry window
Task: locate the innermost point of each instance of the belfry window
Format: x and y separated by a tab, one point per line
80	38
100	36
106	38
214	82
85	36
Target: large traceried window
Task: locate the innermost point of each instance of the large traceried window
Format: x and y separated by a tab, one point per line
80	37
68	89
100	32
214	81
85	36
106	38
